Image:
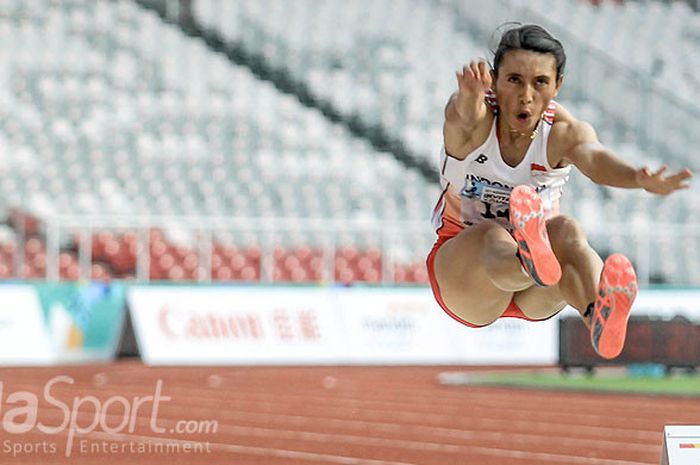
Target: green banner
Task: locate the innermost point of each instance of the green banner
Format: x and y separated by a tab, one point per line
83	320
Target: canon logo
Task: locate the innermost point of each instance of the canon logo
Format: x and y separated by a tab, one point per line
176	324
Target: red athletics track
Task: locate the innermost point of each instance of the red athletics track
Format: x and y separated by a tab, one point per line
333	415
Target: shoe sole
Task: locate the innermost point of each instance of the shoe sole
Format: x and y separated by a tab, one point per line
616	293
530	232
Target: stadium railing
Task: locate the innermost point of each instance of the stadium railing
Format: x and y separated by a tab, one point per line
300	250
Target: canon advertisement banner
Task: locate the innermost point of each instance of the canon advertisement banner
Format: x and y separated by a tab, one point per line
312	325
231	325
339	325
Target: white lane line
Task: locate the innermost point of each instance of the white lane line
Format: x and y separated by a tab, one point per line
562	418
253	450
523	429
558	409
345	460
412	418
561	437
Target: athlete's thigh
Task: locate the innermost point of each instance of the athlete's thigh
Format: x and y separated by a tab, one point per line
538	303
464	286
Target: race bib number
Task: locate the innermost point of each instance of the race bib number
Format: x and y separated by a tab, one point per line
494	199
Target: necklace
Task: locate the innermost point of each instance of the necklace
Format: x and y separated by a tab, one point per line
533	134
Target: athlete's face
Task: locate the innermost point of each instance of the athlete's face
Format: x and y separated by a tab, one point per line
525	84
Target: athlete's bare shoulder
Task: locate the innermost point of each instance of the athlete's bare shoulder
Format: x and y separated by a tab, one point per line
567	132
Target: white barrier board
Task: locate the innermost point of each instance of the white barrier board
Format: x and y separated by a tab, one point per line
668	303
24	339
298	325
395	326
681	445
339	325
508	341
239	325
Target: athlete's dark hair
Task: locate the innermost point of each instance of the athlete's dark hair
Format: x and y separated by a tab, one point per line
530	37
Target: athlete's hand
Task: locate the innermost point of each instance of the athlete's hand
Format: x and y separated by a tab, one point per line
659	183
474	79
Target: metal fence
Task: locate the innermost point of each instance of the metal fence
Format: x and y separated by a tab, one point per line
666	253
400	243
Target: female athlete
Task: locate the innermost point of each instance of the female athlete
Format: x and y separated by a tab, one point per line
502	249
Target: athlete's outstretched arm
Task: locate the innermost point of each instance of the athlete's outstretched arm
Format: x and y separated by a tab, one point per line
602	166
466	107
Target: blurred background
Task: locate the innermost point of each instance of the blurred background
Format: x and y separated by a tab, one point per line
279	141
229	183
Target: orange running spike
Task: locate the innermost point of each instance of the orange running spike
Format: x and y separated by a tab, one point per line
616	293
530	232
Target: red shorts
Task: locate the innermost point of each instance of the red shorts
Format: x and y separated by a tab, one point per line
512	311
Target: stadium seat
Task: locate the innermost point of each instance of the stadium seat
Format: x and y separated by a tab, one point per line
107	111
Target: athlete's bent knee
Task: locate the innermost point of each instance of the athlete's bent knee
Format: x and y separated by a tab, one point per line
488	228
497	243
563	230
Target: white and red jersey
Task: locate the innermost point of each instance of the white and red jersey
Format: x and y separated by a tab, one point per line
478	188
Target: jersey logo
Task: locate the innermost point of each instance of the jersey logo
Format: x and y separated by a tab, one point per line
481	159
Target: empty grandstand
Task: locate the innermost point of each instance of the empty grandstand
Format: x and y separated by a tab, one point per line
277	141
